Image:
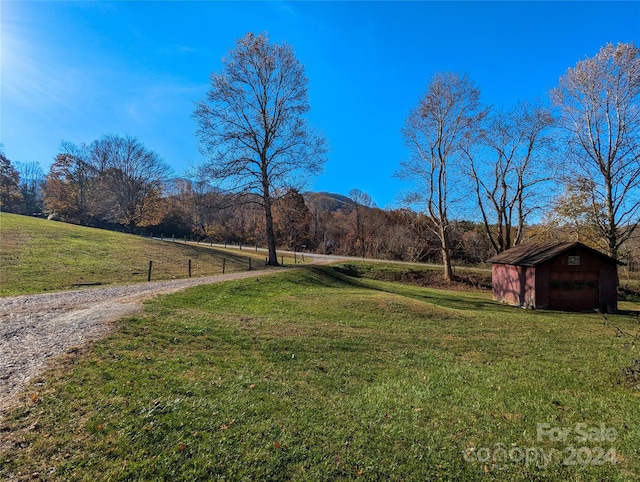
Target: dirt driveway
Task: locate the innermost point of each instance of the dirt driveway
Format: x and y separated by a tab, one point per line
34	328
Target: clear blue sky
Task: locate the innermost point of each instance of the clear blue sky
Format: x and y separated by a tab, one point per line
77	70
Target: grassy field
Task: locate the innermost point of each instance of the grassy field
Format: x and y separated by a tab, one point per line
317	375
37	255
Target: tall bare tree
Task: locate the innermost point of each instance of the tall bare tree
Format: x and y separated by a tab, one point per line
600	103
435	132
508	162
252	128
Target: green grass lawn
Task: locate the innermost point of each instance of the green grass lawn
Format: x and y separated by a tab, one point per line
37	255
315	375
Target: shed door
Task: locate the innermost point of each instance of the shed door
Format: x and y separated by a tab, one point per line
573	291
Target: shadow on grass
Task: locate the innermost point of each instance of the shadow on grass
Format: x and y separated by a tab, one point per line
440	297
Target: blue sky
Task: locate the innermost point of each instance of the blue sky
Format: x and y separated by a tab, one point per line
77	70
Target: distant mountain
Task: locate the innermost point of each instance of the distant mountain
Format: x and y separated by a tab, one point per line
326	201
329	201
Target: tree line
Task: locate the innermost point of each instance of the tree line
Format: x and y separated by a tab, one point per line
482	180
115	180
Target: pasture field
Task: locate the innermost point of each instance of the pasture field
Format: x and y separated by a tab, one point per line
322	373
38	256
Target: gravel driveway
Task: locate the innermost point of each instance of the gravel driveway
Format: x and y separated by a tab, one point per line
34	328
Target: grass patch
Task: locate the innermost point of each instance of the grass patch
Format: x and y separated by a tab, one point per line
420	274
39	255
315	375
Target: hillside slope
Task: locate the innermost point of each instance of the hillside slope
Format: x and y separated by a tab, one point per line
37	255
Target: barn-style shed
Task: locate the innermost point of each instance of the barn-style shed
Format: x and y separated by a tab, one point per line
557	276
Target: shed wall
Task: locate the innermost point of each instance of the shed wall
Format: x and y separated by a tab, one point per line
542	289
515	285
577	280
508	283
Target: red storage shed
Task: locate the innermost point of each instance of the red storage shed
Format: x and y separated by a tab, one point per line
556	276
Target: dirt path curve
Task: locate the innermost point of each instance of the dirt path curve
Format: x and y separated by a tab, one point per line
34	328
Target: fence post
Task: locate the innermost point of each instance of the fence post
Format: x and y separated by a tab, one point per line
173	238
149	273
281	261
224	262
189	268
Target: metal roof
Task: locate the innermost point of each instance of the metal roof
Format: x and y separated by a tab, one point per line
533	254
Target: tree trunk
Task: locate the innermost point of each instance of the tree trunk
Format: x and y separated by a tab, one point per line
268	215
611	227
446	263
271	236
446	254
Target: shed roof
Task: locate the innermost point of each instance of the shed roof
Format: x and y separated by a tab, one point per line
533	254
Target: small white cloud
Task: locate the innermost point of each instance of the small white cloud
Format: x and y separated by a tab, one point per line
286	7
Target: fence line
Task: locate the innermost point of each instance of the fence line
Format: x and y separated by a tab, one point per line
190	267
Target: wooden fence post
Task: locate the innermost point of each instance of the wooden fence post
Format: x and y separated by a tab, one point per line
224	262
189	268
149	273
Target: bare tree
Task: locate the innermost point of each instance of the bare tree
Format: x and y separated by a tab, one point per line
600	103
435	132
131	180
31	179
508	163
360	200
252	128
114	179
321	218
